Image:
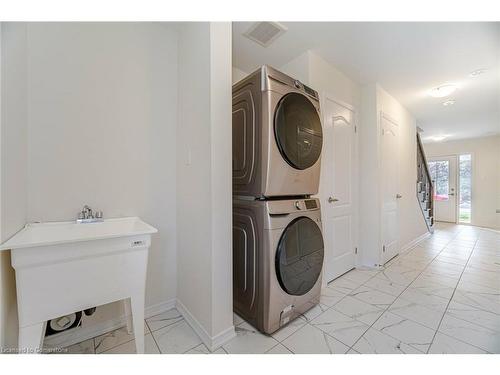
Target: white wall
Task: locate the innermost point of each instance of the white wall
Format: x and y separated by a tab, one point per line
322	76
14	162
222	208
485	174
375	100
237	74
369	174
299	68
411	221
204	178
132	119
101	124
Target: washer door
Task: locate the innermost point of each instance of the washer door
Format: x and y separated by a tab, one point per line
297	129
299	257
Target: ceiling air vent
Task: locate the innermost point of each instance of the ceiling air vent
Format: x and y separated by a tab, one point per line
265	33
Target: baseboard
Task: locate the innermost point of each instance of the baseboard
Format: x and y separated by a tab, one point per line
159	308
410	245
223	337
212	343
80	334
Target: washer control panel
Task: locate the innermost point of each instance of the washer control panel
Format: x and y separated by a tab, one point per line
288	206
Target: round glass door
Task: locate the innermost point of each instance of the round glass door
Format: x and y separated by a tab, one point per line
297	129
299	257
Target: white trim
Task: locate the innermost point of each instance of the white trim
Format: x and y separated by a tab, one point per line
472	187
223	337
159	308
210	342
457	183
327	95
80	334
381	169
410	245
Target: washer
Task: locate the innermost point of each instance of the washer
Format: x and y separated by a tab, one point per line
277	136
277	260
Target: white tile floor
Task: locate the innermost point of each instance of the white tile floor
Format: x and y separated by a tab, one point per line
443	296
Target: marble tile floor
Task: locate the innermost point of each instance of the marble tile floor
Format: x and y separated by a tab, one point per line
442	296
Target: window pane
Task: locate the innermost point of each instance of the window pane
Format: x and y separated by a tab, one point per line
465	182
440	172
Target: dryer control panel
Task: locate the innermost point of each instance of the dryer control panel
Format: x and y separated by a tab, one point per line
288	206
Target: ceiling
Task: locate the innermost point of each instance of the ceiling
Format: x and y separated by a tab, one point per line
407	59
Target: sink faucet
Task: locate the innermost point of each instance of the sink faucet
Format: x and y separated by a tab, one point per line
86	215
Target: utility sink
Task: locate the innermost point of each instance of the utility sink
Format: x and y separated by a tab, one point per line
53	233
65	267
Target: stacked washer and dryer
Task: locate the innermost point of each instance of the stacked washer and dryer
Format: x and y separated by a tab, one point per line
277	240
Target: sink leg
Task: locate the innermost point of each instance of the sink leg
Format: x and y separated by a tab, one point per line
128	314
137	305
31	338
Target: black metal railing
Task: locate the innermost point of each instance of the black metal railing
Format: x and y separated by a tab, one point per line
425	189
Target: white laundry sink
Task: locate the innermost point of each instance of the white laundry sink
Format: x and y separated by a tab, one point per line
52	233
64	267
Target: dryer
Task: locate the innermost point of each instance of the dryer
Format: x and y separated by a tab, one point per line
277	260
277	136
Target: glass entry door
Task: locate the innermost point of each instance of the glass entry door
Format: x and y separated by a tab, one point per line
443	172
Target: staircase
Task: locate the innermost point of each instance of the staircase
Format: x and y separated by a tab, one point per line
424	187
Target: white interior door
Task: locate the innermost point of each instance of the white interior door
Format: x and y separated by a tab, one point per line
389	147
443	172
336	188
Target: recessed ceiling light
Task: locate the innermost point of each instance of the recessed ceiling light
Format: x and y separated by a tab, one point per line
438	138
442	91
476	73
449	102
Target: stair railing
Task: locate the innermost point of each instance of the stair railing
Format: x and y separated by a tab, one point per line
424	177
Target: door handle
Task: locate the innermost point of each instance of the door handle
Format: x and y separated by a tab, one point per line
399	196
332	200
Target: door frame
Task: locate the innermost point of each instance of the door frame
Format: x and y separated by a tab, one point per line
457	179
388	117
326	95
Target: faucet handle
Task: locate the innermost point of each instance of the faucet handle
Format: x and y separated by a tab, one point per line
98	214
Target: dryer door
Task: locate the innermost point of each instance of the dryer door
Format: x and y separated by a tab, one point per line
297	129
299	257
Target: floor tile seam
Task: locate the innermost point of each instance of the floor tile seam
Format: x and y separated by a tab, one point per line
126	342
477	308
399	295
154	338
462	341
451	298
114	346
331	336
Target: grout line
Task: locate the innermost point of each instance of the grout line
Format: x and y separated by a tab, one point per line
399	295
453	294
363	284
153	336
